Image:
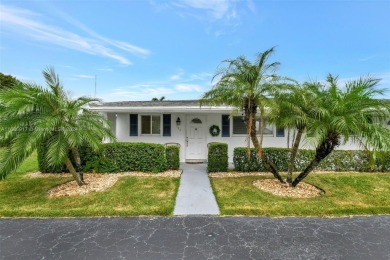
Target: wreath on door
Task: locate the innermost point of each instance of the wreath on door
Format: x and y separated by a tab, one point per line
214	130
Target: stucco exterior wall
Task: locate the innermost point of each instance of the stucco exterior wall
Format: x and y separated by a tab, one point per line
121	126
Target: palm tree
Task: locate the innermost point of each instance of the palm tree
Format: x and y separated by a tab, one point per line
247	87
295	108
347	114
32	115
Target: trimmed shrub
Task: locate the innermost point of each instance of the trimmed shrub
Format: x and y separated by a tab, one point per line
338	160
123	157
116	157
217	157
173	159
242	163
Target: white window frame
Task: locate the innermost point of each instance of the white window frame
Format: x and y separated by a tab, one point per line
151	125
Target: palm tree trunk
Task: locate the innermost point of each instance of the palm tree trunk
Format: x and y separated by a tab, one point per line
268	163
261	132
77	159
75	174
326	147
250	110
293	155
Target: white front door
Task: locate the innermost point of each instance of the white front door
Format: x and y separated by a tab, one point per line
196	142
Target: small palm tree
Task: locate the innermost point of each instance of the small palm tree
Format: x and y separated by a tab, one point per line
247	86
32	115
295	108
347	114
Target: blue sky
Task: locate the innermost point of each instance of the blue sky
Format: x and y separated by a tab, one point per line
144	49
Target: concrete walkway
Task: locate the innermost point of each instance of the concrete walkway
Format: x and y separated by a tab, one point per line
195	195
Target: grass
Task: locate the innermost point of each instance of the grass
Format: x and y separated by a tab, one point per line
21	196
346	194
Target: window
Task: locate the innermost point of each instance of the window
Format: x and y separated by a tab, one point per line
196	121
150	125
239	127
225	126
133	124
279	132
167	125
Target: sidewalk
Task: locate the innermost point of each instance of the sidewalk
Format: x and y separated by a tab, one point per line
195	196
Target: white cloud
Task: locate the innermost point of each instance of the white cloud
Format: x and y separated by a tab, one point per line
222	17
174	85
175	77
188	88
27	23
106	69
119	44
140	92
85	76
218	9
201	76
181	75
178	75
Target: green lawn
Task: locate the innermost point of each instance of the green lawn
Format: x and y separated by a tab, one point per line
346	194
21	196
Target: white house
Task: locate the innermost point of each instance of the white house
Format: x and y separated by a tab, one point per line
187	123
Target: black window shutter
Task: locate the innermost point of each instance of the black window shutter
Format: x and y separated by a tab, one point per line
225	126
133	124
279	132
166	124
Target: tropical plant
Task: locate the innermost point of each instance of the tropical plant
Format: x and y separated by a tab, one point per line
31	114
7	81
351	113
295	109
247	86
158	99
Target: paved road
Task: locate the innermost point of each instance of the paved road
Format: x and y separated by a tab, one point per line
195	195
196	237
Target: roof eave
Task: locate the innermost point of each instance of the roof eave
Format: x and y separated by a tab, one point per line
203	109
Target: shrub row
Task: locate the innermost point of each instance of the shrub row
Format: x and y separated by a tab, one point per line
338	160
217	157
121	157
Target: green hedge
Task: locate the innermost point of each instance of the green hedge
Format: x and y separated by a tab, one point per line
339	160
173	159
217	157
115	157
123	157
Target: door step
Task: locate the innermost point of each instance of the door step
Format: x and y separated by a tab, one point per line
195	161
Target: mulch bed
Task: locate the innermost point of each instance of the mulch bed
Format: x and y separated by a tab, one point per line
302	190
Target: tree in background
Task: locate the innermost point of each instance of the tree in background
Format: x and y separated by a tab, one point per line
158	99
32	115
7	81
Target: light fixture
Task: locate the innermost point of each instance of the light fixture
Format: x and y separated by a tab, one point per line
178	121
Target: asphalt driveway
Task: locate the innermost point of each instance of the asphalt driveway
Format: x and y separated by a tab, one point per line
196	237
